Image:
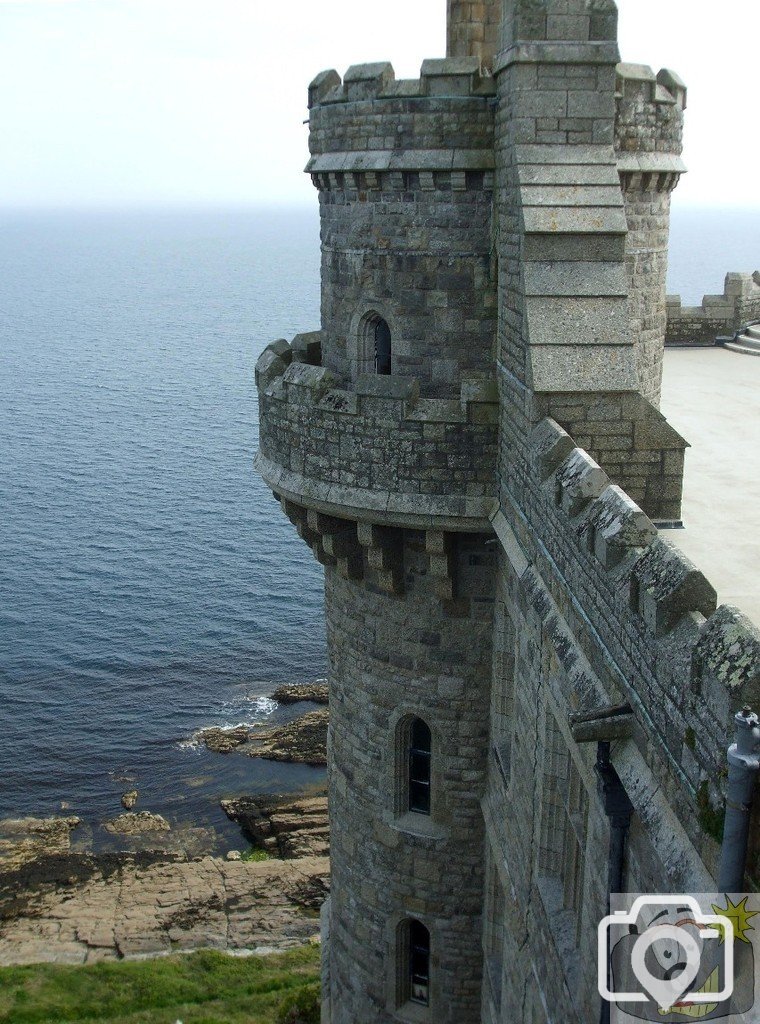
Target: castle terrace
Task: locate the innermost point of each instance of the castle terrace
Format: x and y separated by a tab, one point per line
711	396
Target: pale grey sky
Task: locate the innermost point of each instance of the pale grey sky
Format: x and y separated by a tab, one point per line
134	101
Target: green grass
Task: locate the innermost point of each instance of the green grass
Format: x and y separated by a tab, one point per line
199	988
255	854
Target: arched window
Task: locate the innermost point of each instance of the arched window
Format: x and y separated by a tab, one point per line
382	347
413	959
420	751
372	344
419	963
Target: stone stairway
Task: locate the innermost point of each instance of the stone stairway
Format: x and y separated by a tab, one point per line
748	343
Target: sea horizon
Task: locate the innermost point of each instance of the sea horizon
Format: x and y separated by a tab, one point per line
148	586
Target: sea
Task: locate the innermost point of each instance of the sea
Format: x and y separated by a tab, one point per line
149	585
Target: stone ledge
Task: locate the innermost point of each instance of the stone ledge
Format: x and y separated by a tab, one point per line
380	160
650	163
386	508
555	52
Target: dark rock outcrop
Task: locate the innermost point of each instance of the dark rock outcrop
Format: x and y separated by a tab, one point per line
222	741
288	827
294	693
138	823
303	740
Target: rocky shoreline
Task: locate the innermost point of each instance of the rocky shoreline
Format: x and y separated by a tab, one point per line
302	741
160	894
283	826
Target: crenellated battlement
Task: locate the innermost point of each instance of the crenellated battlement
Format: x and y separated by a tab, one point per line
717	315
657	640
372	122
447	78
694	664
649	127
637	83
377	452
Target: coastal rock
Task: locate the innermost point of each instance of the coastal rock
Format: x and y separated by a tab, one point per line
128	800
293	693
303	740
142	908
288	827
23	840
136	824
222	741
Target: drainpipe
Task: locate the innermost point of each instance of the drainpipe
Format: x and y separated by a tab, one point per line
743	766
618	809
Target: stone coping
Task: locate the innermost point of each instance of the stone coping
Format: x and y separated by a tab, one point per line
556	52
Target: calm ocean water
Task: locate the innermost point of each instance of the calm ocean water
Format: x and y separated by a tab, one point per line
148	584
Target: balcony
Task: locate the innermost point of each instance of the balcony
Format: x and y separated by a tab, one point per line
377	453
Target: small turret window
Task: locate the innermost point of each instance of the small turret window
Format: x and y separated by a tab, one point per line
413	963
382	347
419	963
420	750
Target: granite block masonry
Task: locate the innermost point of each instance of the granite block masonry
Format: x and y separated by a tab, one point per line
471	446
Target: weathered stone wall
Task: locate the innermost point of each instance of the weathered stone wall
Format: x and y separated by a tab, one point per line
718	315
405	173
379	444
474	29
630	439
391	658
563	242
648	216
648	143
603	612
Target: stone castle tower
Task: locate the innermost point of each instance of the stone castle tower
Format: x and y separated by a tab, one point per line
472	448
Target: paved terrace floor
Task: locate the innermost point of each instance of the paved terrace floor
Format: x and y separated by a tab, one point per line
712	397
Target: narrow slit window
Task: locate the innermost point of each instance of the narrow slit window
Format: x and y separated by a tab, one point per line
419	767
419	963
382	347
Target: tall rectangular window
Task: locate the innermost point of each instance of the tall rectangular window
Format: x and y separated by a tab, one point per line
419	963
419	767
412	963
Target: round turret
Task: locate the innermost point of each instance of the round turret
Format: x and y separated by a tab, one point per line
648	144
405	177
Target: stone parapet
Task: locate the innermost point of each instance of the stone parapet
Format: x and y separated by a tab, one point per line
649	110
658	639
443	120
378	452
717	315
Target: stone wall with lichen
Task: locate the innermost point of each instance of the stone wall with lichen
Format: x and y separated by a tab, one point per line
377	444
605	612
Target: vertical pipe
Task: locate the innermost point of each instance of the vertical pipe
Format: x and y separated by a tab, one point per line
618	809
743	766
